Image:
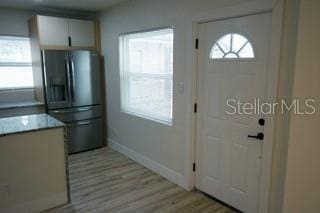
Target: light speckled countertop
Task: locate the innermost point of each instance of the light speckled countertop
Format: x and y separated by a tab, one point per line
20	124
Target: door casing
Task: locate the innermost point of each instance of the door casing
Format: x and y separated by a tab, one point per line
245	9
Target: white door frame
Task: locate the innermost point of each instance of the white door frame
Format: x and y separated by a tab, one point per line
243	9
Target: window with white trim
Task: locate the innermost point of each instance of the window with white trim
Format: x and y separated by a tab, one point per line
15	63
146	67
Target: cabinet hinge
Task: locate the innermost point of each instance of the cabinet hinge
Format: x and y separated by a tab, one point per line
194	167
197	43
195	108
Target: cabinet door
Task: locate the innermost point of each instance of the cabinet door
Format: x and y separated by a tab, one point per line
81	33
53	31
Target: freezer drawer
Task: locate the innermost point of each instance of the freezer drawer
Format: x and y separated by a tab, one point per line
76	114
84	135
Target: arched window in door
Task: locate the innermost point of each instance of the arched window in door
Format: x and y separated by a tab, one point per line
232	46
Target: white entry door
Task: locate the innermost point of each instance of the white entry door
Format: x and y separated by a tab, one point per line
232	65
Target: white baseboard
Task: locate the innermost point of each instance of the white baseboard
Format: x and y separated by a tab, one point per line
148	163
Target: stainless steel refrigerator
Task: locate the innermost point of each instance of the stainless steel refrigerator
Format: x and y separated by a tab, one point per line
72	90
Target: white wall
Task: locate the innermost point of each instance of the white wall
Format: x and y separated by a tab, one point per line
302	188
285	86
14	22
157	142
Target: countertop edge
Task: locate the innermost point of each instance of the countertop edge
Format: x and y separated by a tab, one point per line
31	130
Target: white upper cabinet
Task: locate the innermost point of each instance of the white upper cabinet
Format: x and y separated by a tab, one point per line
55	32
81	33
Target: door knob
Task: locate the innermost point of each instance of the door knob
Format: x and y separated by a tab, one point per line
260	136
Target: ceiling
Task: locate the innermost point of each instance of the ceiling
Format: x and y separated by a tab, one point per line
79	5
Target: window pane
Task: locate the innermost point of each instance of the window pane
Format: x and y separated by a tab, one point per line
151	52
14	49
14	77
15	62
225	43
237	42
150	96
247	51
147	67
216	52
231	55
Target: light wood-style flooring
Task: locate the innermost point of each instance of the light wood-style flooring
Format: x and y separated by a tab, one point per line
105	181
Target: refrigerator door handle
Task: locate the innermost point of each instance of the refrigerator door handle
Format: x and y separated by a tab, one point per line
72	110
81	123
73	80
68	80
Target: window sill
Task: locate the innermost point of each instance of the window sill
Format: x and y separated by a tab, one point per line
147	117
18	98
4	89
22	104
